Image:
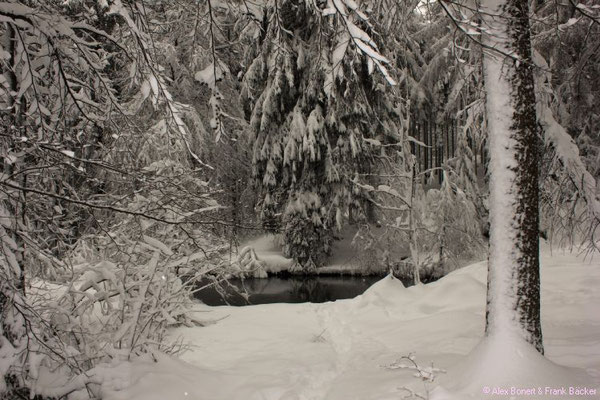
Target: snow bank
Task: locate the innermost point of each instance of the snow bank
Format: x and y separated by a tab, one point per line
386	292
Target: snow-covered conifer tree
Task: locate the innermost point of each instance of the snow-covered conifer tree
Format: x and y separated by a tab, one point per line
318	118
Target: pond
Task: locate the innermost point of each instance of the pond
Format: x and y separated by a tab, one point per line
288	289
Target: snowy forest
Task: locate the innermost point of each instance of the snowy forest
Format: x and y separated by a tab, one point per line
299	199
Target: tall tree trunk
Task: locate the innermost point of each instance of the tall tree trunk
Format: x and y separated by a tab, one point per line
513	299
12	277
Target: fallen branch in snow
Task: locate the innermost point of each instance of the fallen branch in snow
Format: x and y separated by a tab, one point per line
412	394
425	374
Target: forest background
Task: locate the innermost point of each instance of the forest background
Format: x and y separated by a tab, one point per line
145	140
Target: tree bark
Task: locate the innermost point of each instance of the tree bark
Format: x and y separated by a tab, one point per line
513	300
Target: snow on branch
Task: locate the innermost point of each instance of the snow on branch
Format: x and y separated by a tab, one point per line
348	11
568	153
566	149
591	12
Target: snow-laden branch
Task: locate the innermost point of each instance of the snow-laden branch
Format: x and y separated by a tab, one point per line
566	149
119	210
363	43
568	154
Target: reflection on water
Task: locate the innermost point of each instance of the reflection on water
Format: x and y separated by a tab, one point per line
294	289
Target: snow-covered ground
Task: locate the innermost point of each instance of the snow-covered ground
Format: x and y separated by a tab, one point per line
338	350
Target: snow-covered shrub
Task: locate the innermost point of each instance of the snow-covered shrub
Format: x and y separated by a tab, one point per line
380	249
123	294
450	229
114	295
124	306
435	230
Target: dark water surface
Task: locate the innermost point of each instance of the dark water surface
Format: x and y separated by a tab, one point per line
292	289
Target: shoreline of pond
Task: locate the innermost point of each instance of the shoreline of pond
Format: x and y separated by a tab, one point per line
287	287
